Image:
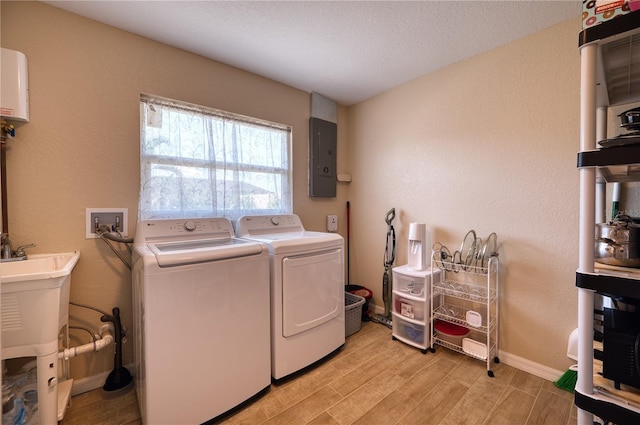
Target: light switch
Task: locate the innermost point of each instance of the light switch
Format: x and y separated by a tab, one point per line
332	223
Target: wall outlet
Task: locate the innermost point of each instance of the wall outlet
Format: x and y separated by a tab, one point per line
115	218
332	223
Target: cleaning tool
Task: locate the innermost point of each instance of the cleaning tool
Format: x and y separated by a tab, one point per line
389	258
120	376
615	202
348	244
352	287
568	380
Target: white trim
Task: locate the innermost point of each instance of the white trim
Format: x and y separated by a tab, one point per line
512	360
90	383
533	368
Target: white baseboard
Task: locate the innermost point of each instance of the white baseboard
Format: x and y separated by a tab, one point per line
91	383
509	359
533	368
94	382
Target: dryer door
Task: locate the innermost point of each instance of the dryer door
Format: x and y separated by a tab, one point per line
312	290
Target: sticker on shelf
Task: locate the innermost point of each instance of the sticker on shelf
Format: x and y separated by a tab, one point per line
407	310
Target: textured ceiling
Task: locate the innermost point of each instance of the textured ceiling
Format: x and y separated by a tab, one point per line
345	50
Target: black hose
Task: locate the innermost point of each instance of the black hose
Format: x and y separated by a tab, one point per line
104	313
107	236
115	251
104	231
87	330
113	237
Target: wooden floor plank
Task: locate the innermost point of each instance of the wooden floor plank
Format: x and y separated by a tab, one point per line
375	380
513	407
432	409
550	409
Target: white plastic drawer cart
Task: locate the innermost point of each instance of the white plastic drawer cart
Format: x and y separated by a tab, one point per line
410	312
466	299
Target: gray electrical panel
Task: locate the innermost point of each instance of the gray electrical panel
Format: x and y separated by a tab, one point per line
323	137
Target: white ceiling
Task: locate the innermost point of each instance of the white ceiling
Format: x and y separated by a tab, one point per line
347	51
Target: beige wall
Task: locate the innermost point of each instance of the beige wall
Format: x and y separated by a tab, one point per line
487	144
81	147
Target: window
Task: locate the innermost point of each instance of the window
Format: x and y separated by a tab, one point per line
202	162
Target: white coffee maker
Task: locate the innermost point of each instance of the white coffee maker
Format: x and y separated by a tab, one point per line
419	246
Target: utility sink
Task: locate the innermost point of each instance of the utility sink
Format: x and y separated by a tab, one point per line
35	292
38	267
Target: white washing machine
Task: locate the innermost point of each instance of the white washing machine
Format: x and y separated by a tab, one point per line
201	319
307	290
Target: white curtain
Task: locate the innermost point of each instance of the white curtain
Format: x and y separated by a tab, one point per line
200	162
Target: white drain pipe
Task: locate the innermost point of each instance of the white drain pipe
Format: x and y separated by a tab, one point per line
106	338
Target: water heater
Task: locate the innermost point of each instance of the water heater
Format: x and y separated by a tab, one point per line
14	86
419	245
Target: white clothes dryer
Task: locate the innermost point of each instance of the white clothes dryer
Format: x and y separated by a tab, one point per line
307	290
201	319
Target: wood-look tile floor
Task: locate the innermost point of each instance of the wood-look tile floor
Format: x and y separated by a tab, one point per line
376	380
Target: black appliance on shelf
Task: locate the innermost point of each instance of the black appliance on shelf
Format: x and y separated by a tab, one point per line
621	347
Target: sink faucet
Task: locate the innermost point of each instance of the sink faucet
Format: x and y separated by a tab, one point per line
20	251
7	254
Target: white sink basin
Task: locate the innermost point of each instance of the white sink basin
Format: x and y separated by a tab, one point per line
35	292
38	267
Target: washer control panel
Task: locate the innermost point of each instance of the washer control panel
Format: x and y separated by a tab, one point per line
205	227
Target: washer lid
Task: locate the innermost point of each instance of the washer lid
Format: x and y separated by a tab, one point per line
300	242
202	250
285	234
176	242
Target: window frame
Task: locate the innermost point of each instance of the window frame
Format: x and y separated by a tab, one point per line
285	173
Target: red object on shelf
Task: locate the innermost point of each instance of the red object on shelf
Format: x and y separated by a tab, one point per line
450	328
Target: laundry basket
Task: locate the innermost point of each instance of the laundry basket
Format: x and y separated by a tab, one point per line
366	294
352	313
